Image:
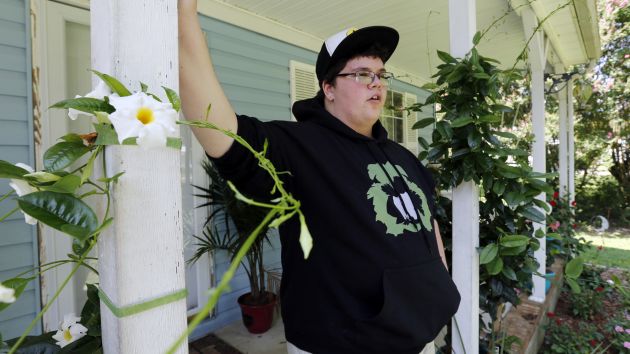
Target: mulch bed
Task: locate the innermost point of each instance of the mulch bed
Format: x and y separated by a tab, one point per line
612	306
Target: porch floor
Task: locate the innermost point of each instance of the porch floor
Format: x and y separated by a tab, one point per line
235	339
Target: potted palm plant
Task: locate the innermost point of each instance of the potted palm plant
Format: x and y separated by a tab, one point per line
227	227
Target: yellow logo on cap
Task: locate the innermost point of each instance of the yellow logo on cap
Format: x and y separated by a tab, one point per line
350	31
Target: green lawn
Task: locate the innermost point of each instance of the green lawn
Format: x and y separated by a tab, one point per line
615	250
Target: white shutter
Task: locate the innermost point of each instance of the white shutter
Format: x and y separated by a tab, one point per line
303	81
411	138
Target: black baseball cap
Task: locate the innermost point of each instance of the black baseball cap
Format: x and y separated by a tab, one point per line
347	43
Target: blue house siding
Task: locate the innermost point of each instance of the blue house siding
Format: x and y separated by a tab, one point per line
18	240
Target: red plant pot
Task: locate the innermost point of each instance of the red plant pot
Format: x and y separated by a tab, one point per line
257	318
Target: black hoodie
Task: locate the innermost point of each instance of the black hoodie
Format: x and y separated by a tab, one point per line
374	281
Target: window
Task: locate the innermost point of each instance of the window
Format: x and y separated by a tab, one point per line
393	116
304	82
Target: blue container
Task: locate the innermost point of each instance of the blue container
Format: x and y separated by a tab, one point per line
549	277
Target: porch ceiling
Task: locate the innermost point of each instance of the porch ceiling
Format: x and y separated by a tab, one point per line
423	26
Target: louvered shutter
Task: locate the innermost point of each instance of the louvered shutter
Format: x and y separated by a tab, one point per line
411	138
303	81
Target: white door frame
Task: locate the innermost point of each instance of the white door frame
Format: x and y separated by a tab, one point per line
49	21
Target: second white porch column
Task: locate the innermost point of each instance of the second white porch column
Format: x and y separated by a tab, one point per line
465	326
141	254
536	61
571	136
563	156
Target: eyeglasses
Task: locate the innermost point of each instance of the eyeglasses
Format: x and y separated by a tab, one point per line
368	77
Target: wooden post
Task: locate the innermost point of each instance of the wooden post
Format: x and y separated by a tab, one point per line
141	254
536	61
465	326
563	156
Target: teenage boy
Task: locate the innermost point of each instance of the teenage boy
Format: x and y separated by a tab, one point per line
376	279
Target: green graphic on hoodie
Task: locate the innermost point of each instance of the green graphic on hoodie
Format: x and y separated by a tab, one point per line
382	192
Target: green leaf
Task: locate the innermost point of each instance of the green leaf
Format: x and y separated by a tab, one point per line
143	87
514	241
60	211
17	284
445	57
460	153
85	104
63	154
533	174
495	266
435	153
574	268
488	253
512	251
461	121
477	37
457	74
422	141
501	108
482	76
510	172
72	138
106	135
513	198
42	177
575	287
113	84
474	139
504	134
552	235
445	130
489	118
104	226
540	185
498	187
509	273
423	155
102	117
9	170
531	213
89	167
67	184
430	86
517	152
173	98
113	179
423	123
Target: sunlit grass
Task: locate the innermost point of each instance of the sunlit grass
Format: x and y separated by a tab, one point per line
615	247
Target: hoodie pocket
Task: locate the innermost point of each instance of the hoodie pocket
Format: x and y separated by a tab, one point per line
418	302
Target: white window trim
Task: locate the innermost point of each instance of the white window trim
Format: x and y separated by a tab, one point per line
294	66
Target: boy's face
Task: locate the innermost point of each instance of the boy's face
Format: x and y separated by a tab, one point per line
357	105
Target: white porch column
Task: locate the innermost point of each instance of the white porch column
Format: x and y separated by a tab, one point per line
465	326
141	254
563	157
571	135
536	61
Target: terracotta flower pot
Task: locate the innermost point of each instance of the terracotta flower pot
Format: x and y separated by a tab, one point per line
257	318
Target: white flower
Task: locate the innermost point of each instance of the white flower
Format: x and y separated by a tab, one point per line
23	188
7	295
142	116
99	92
70	331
